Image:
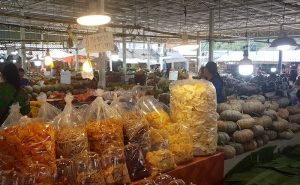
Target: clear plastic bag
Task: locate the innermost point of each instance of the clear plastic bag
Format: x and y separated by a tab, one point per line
104	127
14	116
71	137
65	172
154	112
180	142
47	112
26	141
160	161
135	162
193	103
114	166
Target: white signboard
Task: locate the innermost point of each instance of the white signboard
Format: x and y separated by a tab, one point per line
99	42
173	75
65	77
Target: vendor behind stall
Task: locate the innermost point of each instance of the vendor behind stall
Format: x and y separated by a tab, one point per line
211	74
11	92
23	81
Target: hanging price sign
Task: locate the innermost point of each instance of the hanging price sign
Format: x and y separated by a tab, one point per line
99	42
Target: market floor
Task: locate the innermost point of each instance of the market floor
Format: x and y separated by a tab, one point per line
282	169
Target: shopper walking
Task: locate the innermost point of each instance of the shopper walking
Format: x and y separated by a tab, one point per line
211	74
11	92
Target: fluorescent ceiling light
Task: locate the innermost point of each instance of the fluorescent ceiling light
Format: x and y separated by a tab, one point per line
93	20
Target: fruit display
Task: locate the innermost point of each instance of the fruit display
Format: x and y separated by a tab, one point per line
251	123
193	103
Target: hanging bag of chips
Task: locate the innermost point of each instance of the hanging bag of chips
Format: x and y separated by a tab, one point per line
193	103
104	127
71	137
26	141
47	112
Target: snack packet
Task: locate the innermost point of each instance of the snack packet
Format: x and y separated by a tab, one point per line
47	112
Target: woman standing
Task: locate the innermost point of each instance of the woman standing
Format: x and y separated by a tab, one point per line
11	92
212	75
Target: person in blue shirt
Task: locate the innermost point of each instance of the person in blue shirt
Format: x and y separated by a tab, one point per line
212	75
23	81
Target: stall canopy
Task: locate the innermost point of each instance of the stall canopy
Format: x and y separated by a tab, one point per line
262	57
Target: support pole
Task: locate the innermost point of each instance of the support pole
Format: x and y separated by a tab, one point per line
102	70
124	54
198	53
279	67
76	59
23	47
149	54
211	35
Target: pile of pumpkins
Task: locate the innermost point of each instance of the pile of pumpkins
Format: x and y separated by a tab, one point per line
246	125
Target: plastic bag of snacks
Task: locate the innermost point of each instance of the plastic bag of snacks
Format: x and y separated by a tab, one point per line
114	166
154	112
47	112
193	103
135	162
39	174
88	170
180	142
71	137
104	126
160	161
65	172
26	141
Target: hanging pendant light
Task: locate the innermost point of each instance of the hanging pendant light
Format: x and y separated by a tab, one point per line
48	59
94	18
283	42
245	66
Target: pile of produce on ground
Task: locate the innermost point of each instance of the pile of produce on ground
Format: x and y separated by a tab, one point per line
246	125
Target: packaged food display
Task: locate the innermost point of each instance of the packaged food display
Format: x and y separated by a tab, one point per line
71	137
163	179
180	143
154	112
135	162
157	139
39	174
193	103
160	161
65	172
114	166
25	142
88	170
47	112
135	124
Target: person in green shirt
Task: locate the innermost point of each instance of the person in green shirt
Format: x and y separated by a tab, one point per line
11	92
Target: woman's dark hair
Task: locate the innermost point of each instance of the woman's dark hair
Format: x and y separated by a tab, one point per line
202	69
21	70
10	73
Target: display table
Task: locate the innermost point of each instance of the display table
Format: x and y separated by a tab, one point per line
201	171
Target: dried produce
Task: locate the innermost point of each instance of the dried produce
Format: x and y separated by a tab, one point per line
71	137
160	161
26	142
193	103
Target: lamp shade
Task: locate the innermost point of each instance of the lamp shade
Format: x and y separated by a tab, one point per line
93	20
283	40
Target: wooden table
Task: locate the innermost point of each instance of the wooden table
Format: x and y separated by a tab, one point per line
201	171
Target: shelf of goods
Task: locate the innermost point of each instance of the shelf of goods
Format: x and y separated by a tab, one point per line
117	143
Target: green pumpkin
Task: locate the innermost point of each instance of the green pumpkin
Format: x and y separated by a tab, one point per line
229	151
251	145
258	130
243	136
271	134
227	126
223	138
231	115
239	148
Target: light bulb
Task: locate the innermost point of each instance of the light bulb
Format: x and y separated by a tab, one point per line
37	63
246	70
283	47
14	61
1	60
87	67
93	20
273	69
48	60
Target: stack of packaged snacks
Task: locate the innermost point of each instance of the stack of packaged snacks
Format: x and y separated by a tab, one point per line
25	142
193	103
71	137
104	127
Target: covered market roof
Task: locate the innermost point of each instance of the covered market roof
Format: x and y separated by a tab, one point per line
162	20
